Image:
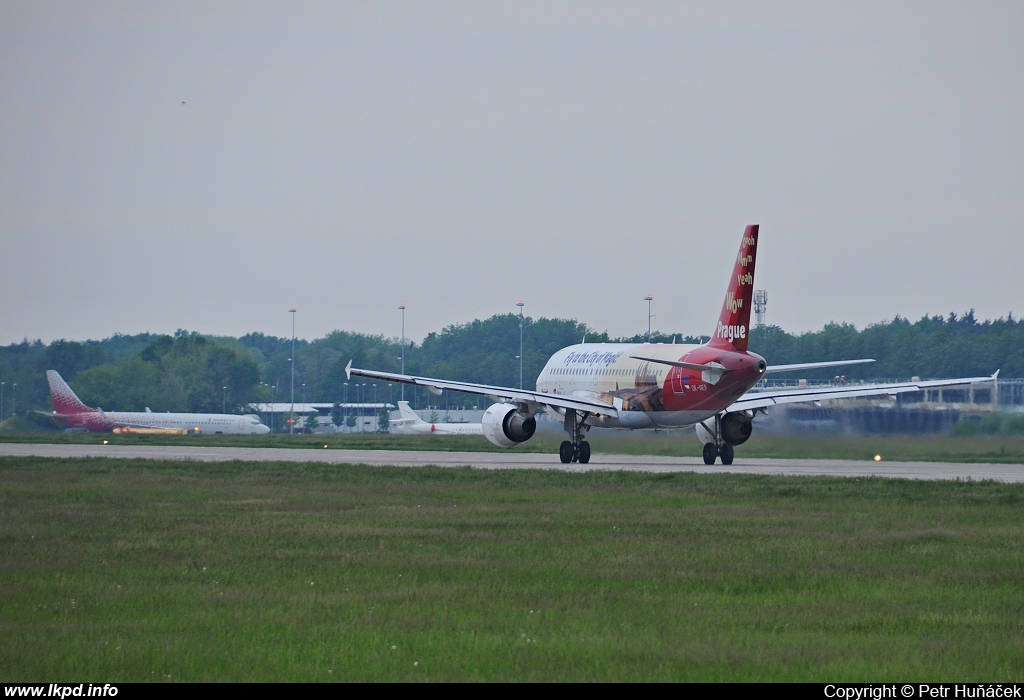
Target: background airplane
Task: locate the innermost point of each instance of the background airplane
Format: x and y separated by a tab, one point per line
70	412
410	422
635	386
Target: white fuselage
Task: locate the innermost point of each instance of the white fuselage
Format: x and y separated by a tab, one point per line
424	428
209	423
411	423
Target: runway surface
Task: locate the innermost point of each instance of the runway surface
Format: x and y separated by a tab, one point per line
1012	473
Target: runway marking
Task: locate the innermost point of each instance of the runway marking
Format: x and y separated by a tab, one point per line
940	471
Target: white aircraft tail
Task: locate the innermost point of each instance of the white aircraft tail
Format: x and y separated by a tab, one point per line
409	416
65	400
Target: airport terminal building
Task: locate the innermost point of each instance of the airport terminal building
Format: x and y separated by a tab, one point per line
365	415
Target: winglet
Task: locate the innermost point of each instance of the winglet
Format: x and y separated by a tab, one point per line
733	327
996	375
348	370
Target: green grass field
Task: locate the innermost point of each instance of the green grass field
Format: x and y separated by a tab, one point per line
897	448
119	570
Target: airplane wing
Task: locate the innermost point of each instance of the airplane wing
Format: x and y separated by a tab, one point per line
149	431
498	394
764	399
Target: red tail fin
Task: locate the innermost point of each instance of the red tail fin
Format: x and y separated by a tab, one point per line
64	399
734	322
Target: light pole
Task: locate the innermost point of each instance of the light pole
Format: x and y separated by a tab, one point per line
520	304
359	408
303	392
648	299
401	308
2	385
362	407
273	408
291	416
14	399
344	388
224	402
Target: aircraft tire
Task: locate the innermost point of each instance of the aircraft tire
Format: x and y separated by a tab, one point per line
710	453
565	452
584	452
726	454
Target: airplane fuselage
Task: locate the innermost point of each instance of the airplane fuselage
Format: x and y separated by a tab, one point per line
647	393
424	428
105	421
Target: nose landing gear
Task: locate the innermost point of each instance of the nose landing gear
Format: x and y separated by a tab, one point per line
577	449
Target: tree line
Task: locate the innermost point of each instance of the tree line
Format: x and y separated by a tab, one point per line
192	372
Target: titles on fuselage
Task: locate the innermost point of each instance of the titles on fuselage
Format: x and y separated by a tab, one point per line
590	358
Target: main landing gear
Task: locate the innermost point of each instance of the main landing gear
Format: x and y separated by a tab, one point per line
719	449
577	449
711	453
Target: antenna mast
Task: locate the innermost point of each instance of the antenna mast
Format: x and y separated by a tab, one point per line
760	307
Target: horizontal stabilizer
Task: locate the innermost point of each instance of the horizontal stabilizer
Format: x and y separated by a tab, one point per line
814	365
685	365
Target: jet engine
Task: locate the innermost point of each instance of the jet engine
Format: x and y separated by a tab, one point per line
505	426
735	427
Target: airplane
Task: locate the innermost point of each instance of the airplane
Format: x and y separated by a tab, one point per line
410	422
70	412
635	386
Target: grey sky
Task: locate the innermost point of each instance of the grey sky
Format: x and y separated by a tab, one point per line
346	157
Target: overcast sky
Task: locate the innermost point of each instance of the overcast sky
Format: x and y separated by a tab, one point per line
208	165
